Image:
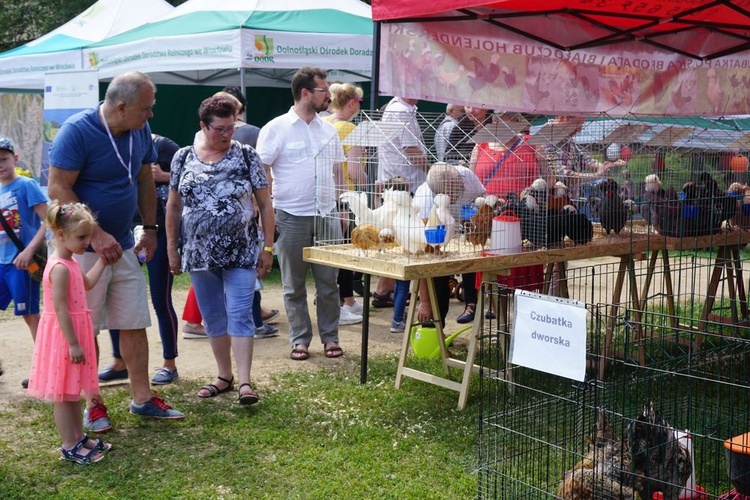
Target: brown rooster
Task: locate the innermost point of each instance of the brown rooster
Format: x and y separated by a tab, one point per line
558	197
601	472
479	228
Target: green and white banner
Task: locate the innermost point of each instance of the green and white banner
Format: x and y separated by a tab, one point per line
233	49
60	50
203	35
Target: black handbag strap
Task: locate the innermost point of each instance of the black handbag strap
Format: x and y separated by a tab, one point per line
502	160
12	234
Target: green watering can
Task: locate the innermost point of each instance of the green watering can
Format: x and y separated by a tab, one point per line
424	340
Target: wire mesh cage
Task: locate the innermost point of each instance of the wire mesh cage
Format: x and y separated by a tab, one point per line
676	388
530	182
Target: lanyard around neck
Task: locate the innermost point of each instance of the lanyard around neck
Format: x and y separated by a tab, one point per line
126	166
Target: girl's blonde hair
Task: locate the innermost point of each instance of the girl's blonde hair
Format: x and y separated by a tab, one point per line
341	93
68	216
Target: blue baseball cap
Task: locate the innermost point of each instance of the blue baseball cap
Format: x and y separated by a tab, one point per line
6	143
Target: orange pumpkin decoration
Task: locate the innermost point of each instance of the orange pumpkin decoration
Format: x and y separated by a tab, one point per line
724	161
739	163
626	153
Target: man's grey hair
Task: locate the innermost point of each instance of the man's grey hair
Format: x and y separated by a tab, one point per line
444	178
127	87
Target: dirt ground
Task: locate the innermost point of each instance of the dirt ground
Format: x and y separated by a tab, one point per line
271	356
195	360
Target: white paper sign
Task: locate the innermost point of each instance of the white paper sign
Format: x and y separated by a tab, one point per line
549	335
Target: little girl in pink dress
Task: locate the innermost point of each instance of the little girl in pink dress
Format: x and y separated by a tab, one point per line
64	362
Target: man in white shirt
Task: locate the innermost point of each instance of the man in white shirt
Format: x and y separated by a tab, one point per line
404	154
443	133
300	150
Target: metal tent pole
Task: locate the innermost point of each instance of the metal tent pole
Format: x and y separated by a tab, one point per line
242	87
375	66
366	297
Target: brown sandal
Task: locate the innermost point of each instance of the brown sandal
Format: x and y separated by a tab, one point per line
299	354
380	301
213	390
249	398
334	351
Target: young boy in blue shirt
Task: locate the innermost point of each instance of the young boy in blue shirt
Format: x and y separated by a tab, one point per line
24	206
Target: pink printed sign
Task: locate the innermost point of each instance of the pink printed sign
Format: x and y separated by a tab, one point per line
481	65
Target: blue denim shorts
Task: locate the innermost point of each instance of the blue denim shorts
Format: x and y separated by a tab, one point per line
225	299
17	285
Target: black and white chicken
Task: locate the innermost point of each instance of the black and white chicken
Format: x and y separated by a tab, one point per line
658	461
723	204
653	200
540	224
577	227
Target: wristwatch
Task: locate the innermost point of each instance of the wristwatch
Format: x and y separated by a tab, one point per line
268	249
147	227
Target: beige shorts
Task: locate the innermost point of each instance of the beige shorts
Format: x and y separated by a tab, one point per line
118	301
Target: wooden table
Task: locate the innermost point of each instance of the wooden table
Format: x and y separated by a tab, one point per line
727	262
727	244
415	268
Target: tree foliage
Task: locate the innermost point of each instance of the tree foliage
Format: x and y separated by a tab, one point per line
22	21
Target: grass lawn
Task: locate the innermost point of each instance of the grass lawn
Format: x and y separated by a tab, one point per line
313	435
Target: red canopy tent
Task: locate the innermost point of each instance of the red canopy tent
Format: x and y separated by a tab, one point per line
616	57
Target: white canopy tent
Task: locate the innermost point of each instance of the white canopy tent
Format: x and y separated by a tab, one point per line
23	68
208	42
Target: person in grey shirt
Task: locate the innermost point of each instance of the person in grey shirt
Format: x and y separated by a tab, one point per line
244	133
452	114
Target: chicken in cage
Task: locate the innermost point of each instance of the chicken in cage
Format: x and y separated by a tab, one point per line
571	181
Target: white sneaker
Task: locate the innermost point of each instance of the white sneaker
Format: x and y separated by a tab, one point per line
193	331
347	318
354	309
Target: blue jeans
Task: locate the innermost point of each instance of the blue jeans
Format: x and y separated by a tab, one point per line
160	282
400	295
225	298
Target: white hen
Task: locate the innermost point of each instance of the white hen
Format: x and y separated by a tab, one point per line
381	217
408	225
386	212
443	204
358	205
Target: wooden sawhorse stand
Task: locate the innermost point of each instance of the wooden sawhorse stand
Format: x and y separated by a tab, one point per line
625	269
727	261
467	366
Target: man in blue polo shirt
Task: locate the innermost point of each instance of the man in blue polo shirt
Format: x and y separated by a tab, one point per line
103	157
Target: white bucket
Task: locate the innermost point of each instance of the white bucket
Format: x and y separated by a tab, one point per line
506	234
